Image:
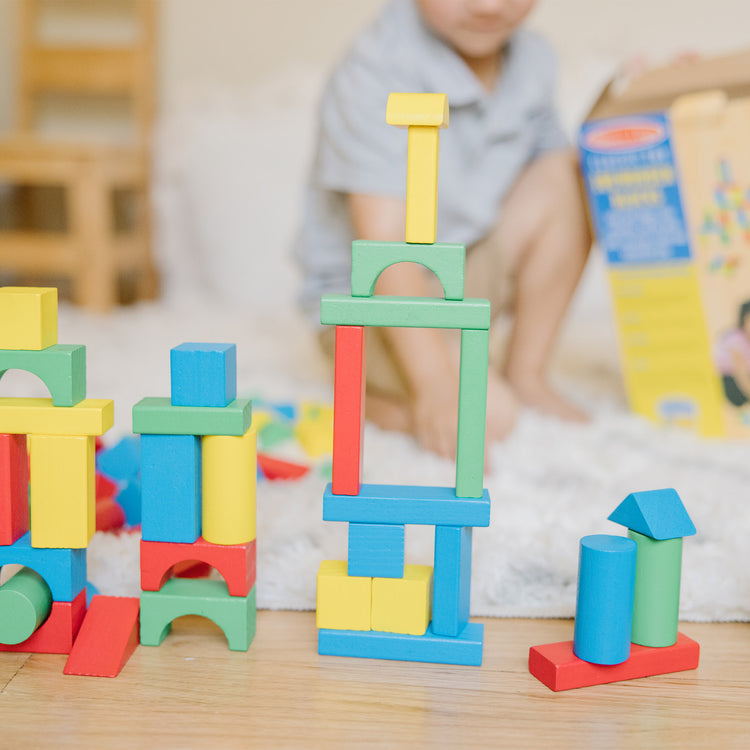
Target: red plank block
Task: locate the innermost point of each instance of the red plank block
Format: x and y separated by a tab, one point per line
14	488
235	562
107	638
58	632
348	409
559	668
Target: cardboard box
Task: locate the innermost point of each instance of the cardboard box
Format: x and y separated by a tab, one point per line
666	164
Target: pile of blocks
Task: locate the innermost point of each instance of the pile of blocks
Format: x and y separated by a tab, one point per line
373	604
198	485
628	601
47	497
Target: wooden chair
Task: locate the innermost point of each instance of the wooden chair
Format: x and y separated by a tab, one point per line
91	252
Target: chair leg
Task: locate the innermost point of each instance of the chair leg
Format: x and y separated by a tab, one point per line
147	279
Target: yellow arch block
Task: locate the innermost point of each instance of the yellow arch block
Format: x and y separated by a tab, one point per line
37	416
62	496
28	317
403	605
344	602
229	476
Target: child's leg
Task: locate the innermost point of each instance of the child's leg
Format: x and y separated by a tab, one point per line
545	232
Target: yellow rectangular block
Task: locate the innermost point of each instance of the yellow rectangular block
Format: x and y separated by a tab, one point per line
344	602
28	317
422	184
37	416
406	109
62	495
229	477
403	605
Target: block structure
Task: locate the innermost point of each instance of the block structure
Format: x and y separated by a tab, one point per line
198	481
374	604
47	477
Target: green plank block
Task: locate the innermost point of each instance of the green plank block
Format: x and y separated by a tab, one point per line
61	367
472	413
371	258
157	416
235	615
404	312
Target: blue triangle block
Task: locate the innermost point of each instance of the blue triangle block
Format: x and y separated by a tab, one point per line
659	514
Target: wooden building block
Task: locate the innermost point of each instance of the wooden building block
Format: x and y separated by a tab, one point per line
157	416
559	668
107	638
229	487
25	603
14	488
28	317
348	409
61	367
376	550
39	416
235	562
235	615
404	312
472	413
343	602
203	374
370	258
62	496
403	605
451	597
170	488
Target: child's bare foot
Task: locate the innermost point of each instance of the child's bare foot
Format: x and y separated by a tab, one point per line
540	396
388	413
502	408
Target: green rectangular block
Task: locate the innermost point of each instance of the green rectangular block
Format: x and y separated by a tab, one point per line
157	416
472	413
404	312
370	258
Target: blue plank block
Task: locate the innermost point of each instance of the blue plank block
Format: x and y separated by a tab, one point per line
397	504
64	570
122	461
203	374
170	488
451	597
438	649
376	550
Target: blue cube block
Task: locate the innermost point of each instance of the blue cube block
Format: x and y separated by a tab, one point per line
203	374
376	550
451	598
170	488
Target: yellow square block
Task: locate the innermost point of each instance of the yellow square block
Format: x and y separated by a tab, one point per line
344	602
62	478
403	605
28	317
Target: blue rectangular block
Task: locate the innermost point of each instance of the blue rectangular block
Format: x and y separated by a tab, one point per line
465	648
451	592
376	550
402	504
203	374
170	488
64	570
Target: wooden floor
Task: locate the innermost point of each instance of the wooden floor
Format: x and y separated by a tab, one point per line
193	692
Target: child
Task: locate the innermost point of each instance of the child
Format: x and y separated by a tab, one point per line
508	190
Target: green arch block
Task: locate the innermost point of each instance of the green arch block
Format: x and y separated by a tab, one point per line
235	615
62	368
371	258
25	603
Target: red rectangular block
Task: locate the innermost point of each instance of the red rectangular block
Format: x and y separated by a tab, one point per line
559	668
348	409
14	488
235	562
107	638
58	632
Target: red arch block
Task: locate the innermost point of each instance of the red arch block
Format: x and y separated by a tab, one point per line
235	562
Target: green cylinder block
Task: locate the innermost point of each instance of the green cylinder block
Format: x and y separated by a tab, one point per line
657	590
25	603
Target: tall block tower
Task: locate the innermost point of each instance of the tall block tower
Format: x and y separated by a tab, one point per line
374	604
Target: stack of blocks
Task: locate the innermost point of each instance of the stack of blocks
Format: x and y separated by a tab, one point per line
374	605
628	600
198	483
47	494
